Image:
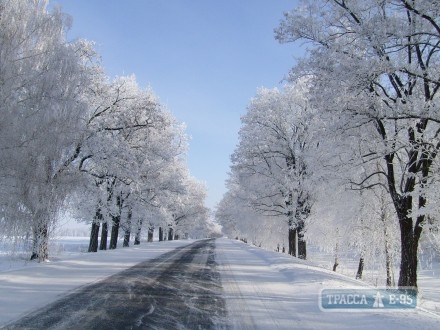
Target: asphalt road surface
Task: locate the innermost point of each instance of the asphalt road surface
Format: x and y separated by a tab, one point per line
180	289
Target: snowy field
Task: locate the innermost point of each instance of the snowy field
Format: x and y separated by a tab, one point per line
428	273
263	289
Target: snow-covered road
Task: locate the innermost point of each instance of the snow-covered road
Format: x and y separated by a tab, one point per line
207	285
180	289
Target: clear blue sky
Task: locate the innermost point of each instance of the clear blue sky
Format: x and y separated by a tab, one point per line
205	60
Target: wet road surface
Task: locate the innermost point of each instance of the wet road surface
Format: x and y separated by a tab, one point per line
180	289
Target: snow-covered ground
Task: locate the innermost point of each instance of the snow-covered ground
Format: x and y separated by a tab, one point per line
263	289
269	290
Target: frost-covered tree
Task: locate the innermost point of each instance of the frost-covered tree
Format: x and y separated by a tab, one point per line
375	68
42	82
270	162
70	137
133	143
186	207
241	221
350	225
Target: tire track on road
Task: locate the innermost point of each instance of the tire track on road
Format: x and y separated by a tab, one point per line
180	289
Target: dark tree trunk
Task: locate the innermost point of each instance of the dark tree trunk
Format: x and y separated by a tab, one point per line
127	231
176	237
301	214
116	223
150	234
114	232
408	261
290	219
137	238
292	242
104	234
410	233
409	240
419	162
170	234
160	234
302	245
360	268
94	233
126	238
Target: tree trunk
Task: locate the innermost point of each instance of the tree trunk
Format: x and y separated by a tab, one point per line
410	235
388	259
419	162
409	239
170	234
160	234
104	231
137	238
176	237
114	232
360	268
302	248
292	241
389	266
94	233
408	260
290	219
127	230
126	238
40	248
302	212
336	264
116	223
150	234
104	234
